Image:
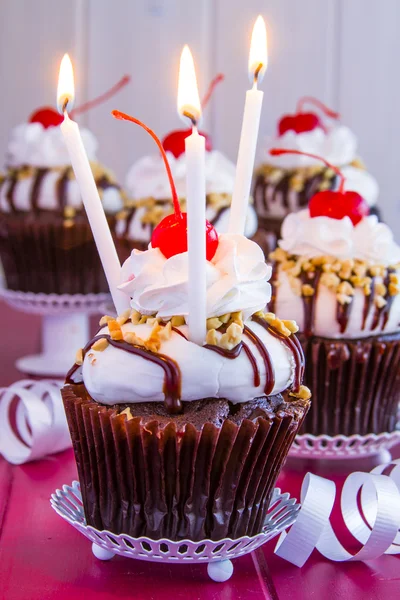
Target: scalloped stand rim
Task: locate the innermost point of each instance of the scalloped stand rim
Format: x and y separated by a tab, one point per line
218	555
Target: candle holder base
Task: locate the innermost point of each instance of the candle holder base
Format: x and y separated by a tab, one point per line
65	327
218	555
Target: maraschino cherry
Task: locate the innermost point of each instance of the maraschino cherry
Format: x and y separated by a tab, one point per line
302	121
49	117
329	203
174	142
170	235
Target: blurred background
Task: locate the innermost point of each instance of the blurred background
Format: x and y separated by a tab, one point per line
344	52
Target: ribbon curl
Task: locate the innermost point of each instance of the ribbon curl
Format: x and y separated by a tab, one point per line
374	521
32	421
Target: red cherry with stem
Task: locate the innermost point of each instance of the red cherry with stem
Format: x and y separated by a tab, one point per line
47	116
170	235
302	121
174	142
328	203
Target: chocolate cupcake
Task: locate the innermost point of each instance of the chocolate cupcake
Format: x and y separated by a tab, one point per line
150	197
337	272
285	184
46	244
177	440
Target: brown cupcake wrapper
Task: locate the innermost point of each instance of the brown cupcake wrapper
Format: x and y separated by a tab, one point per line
355	384
41	255
154	481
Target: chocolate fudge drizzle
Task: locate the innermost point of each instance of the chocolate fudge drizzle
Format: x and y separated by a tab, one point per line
40	174
309	302
263	185
292	344
172	380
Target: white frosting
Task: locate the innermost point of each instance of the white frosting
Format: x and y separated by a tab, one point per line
237	279
148	177
359	180
338	146
317	236
34	145
310	237
47	198
116	376
325	324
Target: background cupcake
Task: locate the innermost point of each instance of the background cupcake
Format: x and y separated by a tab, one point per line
285	184
337	273
149	191
46	244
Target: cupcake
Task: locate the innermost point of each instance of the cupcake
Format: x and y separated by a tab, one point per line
178	440
46	244
337	273
285	184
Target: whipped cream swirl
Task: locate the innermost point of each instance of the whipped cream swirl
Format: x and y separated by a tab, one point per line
148	178
237	279
34	145
338	146
369	240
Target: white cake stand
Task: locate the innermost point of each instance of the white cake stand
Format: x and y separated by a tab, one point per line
218	555
65	327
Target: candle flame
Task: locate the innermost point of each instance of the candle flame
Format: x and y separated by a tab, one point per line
258	57
189	104
66	86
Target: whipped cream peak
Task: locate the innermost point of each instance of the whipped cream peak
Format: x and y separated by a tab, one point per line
237	280
369	240
337	146
38	146
148	178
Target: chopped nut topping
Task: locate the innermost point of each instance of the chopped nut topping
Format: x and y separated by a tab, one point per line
291	325
307	290
380	289
135	317
100	345
232	337
104	320
285	327
237	317
343	298
122	319
379	301
79	357
304	393
330	280
211	338
115	330
177	321
127	412
346	288
394	289
69	212
213	323
225	318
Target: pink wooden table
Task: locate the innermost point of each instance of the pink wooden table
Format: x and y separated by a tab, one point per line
42	557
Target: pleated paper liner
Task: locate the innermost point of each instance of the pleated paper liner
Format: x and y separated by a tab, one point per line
355	384
155	479
40	254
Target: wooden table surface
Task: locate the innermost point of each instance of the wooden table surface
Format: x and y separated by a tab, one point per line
42	557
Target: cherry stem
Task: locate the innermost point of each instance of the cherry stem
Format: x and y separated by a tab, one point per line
217	79
311	100
100	99
124	117
280	151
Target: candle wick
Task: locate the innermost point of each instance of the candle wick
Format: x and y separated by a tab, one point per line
64	106
257	72
191	117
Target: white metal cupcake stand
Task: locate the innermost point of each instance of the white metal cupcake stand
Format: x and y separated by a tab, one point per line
65	327
218	555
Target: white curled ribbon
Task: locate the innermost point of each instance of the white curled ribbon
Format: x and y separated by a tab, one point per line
32	421
374	521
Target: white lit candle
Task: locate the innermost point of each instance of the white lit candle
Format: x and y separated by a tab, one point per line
258	60
87	185
189	107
